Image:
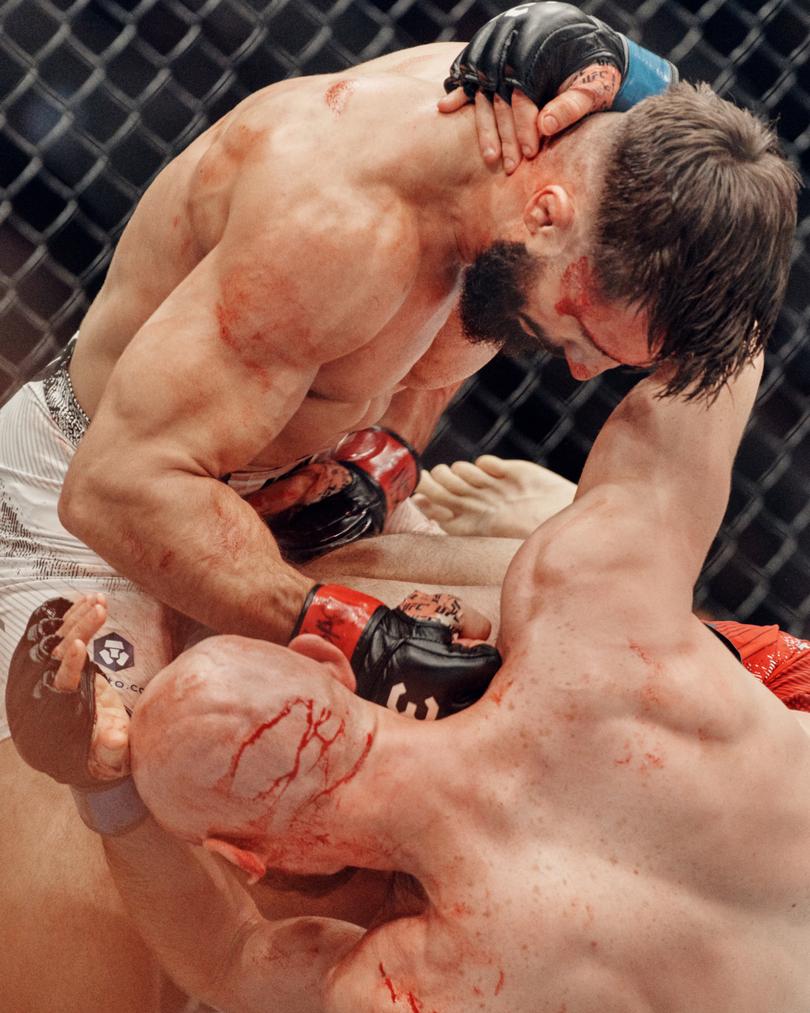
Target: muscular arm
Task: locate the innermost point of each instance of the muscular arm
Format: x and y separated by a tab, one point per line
207	933
210	381
673	459
650	500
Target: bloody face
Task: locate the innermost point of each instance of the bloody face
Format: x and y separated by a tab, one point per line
520	302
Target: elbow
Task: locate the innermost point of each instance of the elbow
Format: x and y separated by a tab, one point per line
78	507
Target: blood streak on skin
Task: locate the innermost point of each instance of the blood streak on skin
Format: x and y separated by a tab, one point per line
580	296
576	288
501	980
337	95
645	656
388	983
229	314
312	732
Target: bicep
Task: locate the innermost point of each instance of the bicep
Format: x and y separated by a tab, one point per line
602	558
207	382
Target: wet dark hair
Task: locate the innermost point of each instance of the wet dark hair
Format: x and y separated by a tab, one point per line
695	224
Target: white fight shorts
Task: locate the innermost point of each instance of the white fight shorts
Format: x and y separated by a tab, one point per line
40	428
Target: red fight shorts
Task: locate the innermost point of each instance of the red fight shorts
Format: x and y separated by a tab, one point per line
781	662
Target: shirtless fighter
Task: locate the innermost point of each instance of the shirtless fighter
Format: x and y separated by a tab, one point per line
619	824
263	301
298	297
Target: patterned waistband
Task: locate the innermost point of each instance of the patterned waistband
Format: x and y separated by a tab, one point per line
68	415
71	420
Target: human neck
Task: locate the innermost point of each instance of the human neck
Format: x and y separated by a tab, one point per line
385	797
485	205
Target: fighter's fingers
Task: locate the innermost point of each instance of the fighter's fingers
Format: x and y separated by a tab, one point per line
69	674
505	122
565	109
453	100
474	625
589	90
444	477
492	465
108	700
487	129
85	624
110	752
527	126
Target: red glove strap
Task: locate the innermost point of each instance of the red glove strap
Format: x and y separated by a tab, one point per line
338	614
386	458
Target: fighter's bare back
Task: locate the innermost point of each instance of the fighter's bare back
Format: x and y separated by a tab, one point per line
636	838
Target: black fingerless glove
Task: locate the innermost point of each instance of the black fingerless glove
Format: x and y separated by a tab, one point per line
53	730
382	471
408	665
537	46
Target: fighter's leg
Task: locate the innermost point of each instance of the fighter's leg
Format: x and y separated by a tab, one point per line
391	566
70	946
492	497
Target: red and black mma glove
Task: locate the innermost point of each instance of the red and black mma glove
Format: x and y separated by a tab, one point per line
537	46
352	493
52	730
408	665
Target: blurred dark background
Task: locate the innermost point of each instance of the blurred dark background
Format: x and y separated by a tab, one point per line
97	95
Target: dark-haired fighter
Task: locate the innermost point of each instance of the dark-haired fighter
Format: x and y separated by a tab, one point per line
264	300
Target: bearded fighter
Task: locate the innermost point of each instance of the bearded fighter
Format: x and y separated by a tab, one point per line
264	301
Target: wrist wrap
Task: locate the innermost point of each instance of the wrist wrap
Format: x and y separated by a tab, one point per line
388	460
338	614
111	808
646	74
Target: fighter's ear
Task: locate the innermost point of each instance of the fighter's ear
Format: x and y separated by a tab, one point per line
548	217
247	861
325	653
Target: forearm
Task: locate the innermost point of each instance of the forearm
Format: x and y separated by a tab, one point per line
191	542
186	908
207	933
460	562
413	414
675	455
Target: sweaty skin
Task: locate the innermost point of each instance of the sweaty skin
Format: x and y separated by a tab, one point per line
619	826
293	275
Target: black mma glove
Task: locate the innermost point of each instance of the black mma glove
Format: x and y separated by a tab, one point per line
408	665
351	494
538	46
52	730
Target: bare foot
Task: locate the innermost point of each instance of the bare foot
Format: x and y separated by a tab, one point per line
493	497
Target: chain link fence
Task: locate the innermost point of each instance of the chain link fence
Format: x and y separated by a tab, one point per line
96	96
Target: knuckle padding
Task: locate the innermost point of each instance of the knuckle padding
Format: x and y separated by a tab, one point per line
52	730
422	655
357	511
535	50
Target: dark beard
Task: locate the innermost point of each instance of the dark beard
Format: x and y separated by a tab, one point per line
493	300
